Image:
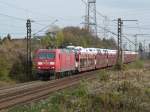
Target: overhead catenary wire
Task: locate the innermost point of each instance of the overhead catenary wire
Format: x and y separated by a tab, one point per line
22	9
18	33
38	21
141	28
116	34
44	28
34	12
13	17
22	19
12	5
4	25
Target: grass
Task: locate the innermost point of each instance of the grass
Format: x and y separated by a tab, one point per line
138	64
113	91
103	76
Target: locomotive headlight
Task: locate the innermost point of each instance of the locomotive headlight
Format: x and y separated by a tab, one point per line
52	63
39	63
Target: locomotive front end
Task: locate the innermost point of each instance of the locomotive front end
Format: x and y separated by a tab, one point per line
45	62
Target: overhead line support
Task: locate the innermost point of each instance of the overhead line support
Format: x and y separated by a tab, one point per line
120	47
29	52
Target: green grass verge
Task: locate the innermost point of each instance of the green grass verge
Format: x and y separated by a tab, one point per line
102	95
138	64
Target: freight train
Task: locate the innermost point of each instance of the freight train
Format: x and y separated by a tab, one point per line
59	62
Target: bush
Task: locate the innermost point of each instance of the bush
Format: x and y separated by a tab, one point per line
103	75
18	70
124	96
4	69
147	92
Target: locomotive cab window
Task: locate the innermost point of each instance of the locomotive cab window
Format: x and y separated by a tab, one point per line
46	56
50	55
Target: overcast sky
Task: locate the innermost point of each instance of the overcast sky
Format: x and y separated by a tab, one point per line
71	13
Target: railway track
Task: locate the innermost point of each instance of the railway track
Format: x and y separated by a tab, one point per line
18	85
37	90
34	91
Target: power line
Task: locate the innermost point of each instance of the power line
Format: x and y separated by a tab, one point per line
96	13
14	6
91	24
107	30
14	33
113	22
13	17
37	23
23	9
99	13
44	28
33	12
115	34
12	25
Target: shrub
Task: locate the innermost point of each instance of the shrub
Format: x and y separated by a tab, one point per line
103	75
4	69
18	70
121	97
147	92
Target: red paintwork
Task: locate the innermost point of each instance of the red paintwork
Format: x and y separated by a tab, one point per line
86	62
64	61
101	60
45	62
112	58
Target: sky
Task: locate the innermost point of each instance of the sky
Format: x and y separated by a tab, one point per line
71	13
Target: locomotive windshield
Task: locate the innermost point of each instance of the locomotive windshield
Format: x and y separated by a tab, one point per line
46	55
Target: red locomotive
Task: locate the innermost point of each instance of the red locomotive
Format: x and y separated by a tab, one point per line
53	62
59	62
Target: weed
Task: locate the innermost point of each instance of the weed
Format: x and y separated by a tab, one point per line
103	75
103	95
138	64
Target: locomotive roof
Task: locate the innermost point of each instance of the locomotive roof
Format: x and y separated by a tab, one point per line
85	50
53	50
112	51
